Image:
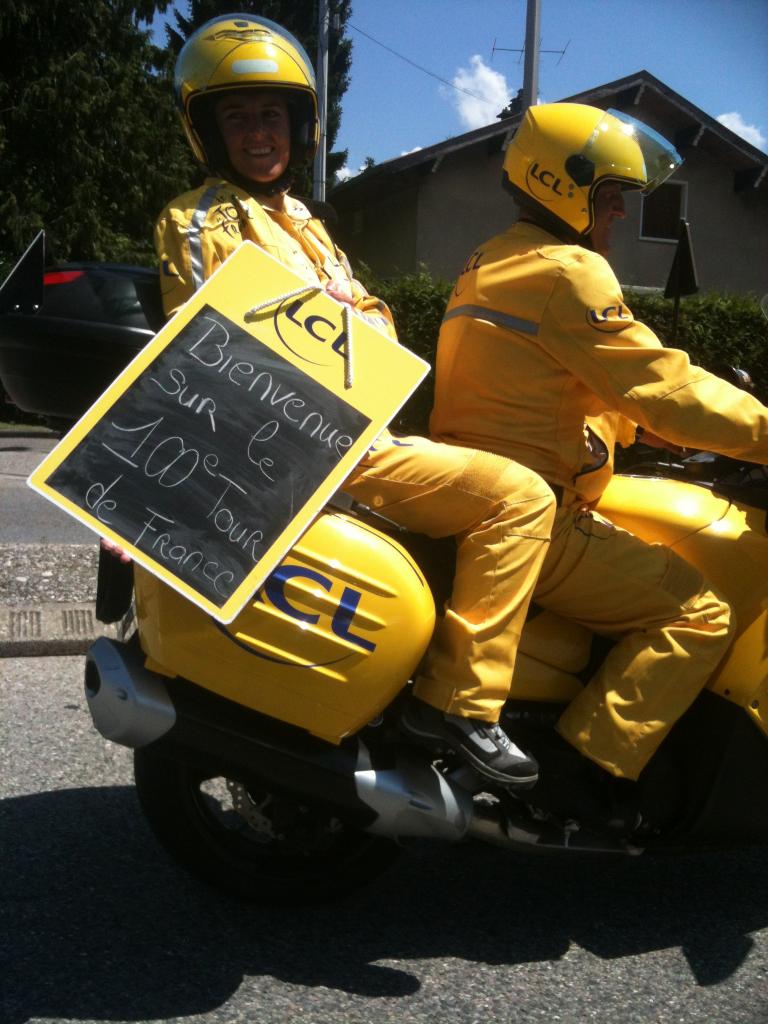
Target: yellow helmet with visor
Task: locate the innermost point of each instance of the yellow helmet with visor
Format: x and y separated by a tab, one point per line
562	152
235	52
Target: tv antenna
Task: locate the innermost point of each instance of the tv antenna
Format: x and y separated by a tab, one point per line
521	51
530	52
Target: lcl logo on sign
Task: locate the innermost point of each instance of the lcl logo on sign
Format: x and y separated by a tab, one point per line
316	339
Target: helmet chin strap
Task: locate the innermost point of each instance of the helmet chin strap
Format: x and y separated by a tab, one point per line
266	188
558	228
532	213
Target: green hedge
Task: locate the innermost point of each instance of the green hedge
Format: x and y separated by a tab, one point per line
418	303
714	329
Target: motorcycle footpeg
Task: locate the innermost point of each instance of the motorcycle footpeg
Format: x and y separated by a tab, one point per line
518	787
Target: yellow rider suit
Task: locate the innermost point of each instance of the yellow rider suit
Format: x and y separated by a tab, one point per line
501	513
540	360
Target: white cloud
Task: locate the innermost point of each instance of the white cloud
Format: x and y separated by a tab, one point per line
490	89
750	132
345	173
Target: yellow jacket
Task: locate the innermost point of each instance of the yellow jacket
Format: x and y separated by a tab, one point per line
198	230
539	359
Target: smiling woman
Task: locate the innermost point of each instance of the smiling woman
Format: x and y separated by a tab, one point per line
245	91
256	130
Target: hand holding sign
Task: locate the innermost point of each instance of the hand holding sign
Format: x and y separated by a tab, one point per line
216	447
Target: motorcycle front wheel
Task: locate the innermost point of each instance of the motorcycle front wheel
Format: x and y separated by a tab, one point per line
268	848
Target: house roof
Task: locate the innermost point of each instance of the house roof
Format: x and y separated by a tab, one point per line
693	127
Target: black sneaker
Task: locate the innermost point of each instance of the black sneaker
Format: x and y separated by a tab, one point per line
484	745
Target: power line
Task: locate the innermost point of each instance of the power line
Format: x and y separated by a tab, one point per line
426	71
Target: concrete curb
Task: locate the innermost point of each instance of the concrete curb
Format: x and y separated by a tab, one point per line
22	431
35	630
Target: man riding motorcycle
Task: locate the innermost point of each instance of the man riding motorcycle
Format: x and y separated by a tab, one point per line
540	360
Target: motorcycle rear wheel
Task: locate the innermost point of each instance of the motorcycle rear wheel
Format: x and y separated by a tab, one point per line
268	848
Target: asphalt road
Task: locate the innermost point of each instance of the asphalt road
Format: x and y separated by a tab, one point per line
27	516
100	927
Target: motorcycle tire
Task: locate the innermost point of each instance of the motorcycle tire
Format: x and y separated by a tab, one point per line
276	851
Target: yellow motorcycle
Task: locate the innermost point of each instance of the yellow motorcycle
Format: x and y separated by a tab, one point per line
268	759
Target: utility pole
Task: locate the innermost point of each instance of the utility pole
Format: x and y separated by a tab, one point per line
323	24
529	94
531	65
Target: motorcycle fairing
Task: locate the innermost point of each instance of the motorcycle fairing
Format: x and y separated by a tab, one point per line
327	643
727	542
552	656
342	625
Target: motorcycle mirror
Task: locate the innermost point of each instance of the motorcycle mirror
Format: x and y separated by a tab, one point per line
734	375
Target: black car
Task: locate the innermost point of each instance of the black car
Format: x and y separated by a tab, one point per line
67	331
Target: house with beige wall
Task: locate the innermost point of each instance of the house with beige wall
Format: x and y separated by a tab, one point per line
432	207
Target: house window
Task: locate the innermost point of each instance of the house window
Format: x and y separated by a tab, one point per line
662	211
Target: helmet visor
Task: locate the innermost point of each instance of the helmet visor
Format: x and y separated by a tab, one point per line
630	151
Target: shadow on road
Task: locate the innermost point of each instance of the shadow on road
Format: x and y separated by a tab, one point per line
101	926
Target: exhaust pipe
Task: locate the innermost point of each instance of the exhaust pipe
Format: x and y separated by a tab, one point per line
133	706
415	800
128	704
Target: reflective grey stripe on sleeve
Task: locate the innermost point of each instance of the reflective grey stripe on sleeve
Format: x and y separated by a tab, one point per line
493	316
193	234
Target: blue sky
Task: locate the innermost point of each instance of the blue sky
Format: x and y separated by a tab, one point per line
713	52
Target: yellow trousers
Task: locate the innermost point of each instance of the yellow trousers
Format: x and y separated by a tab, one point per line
671	627
501	515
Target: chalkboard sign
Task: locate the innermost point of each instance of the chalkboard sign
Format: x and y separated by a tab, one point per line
217	446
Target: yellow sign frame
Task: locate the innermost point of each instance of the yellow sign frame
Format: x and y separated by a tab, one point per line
334	346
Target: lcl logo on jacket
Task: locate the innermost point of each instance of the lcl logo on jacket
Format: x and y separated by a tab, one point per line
610	319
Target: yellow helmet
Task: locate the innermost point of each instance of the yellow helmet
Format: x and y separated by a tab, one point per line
562	151
241	51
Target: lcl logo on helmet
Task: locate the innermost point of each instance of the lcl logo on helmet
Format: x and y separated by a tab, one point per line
544	184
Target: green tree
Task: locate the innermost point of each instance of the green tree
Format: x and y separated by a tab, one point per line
300	18
89	141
